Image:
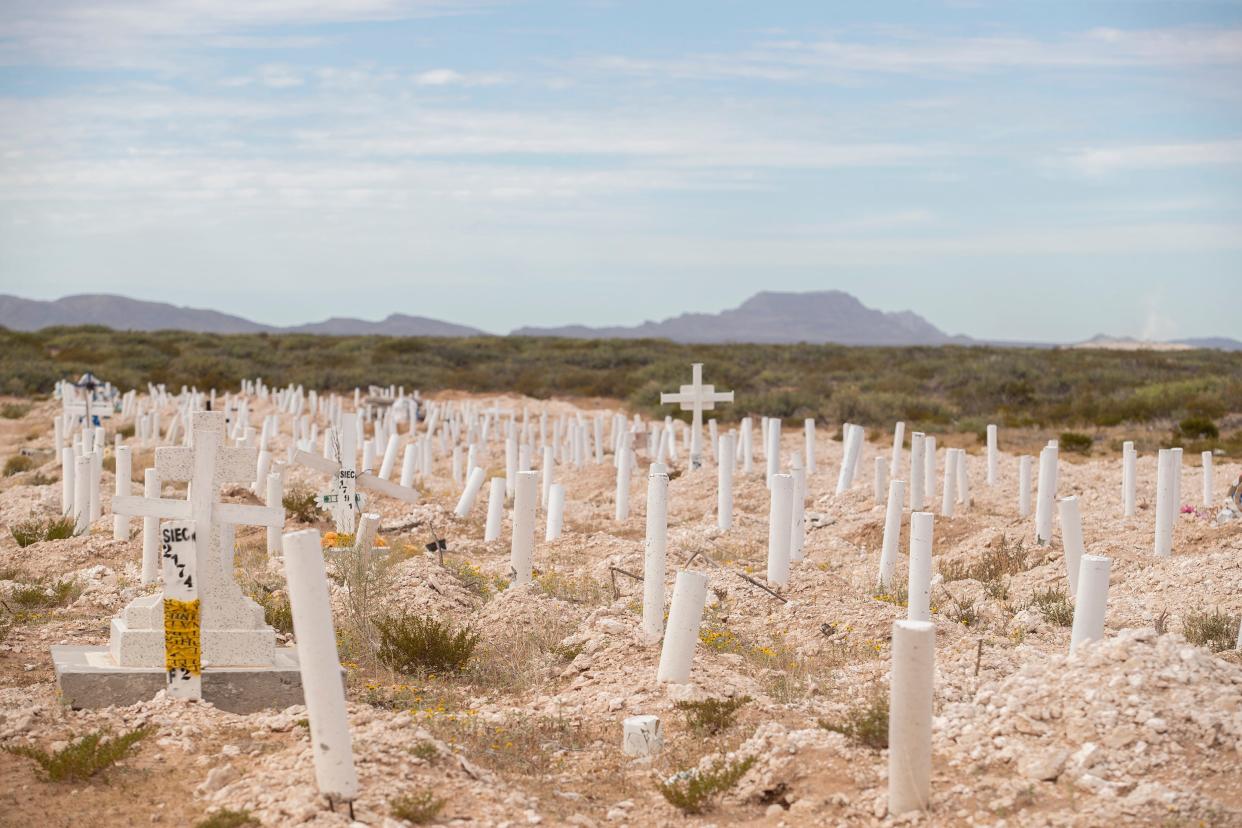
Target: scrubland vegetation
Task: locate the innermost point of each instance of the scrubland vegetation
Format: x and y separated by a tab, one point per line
941	388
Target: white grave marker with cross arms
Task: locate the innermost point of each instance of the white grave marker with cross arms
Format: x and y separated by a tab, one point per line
233	630
698	398
342	499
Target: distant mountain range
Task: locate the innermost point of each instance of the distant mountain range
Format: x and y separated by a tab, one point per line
816	317
767	317
124	314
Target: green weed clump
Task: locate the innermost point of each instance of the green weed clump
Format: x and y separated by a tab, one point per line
82	759
421	643
1055	606
14	411
693	791
1215	630
711	716
17	464
28	532
228	818
302	504
999	561
277	612
417	808
1076	442
865	722
1198	428
33	596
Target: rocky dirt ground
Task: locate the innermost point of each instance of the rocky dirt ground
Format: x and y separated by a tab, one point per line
1144	728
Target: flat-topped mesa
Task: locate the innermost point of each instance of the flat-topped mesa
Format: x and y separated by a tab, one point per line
696	397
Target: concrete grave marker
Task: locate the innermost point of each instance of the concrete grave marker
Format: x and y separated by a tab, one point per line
696	397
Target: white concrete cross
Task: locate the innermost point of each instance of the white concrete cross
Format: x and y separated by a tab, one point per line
342	498
233	630
698	398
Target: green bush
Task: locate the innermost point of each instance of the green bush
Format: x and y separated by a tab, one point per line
302	504
1215	630
692	791
417	808
82	759
228	818
865	722
33	531
17	464
1076	442
710	716
14	411
417	643
1055	606
1198	428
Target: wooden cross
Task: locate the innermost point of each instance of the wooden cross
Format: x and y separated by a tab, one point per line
698	398
342	498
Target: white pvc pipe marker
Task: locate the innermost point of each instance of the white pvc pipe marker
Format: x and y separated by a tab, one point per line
780	514
1046	494
899	439
1092	600
1024	485
1207	477
892	533
993	455
1129	484
918	591
275	493
556	511
495	509
684	617
1071	539
82	493
150	530
623	485
918	462
1165	509
881	479
320	666
910	716
468	495
654	551
124	468
522	548
724	483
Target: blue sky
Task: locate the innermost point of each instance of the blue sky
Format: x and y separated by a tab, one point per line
1033	170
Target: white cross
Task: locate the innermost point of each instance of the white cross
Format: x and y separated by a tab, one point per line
206	465
342	498
698	398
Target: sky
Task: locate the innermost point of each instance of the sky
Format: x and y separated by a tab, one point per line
1039	171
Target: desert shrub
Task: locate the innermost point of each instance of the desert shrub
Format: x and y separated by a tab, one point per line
576	589
417	808
277	612
17	464
1198	428
14	411
865	722
1075	442
420	643
998	561
33	531
228	818
1215	630
1054	605
82	759
710	716
40	594
693	791
302	504
475	580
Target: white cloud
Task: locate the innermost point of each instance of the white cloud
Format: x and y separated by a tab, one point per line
144	33
837	59
1105	160
449	77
